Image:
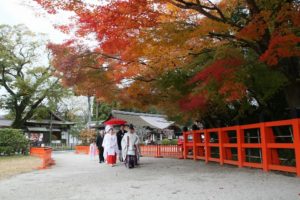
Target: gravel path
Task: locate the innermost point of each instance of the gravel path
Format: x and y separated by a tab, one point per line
76	177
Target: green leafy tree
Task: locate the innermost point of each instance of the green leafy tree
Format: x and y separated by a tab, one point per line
76	129
27	83
102	110
13	141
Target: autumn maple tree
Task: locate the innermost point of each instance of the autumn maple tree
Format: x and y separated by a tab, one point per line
226	59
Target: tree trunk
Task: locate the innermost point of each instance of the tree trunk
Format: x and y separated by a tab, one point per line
18	122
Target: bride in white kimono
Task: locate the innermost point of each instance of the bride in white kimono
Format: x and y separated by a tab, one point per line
130	147
110	146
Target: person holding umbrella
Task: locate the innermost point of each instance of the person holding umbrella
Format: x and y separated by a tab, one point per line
120	134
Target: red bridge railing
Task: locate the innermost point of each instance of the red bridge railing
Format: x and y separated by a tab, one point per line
269	145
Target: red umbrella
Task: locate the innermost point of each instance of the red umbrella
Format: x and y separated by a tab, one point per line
115	121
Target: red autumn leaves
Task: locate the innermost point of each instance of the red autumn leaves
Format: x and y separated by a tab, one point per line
221	75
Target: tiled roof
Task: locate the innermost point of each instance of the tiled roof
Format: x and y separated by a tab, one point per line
143	119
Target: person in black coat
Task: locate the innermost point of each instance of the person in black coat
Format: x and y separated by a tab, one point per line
120	135
99	142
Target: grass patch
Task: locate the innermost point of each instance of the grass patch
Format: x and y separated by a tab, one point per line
12	165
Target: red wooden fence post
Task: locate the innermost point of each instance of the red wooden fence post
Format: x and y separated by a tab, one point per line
272	153
184	144
240	141
221	149
180	151
194	144
206	141
158	153
296	132
264	133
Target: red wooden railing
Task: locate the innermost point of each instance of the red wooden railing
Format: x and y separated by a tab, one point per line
234	145
45	153
82	149
159	151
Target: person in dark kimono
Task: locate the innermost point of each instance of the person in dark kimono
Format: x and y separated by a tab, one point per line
99	142
120	135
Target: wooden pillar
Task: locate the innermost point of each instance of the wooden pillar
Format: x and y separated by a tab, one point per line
207	148
264	133
240	141
194	144
184	145
272	153
221	148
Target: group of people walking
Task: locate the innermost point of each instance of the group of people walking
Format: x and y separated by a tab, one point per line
124	144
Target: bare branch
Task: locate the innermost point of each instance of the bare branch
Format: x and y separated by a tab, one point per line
143	79
202	9
8	89
218	10
229	37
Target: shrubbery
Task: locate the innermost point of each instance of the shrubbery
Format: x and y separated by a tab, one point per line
13	141
169	142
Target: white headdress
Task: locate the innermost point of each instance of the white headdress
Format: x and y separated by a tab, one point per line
108	128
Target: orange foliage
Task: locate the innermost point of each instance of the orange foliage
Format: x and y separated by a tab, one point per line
193	102
218	70
139	40
281	47
233	91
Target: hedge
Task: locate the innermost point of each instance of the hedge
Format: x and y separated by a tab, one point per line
13	141
169	142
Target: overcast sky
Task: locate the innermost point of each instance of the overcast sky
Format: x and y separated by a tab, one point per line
14	12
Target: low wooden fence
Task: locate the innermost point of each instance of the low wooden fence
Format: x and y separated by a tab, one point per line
269	145
45	153
159	151
82	149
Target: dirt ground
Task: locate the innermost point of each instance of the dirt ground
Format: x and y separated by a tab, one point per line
13	165
77	177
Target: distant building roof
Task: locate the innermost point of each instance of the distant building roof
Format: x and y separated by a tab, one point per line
46	121
96	124
37	129
5	123
42	129
143	119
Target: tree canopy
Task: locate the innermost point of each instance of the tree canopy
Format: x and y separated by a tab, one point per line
27	83
202	59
